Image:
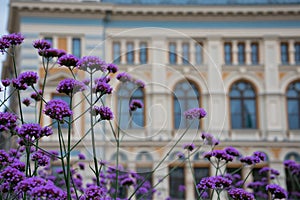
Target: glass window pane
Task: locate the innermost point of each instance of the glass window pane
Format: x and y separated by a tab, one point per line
116	52
199	173
172	53
297	53
143	53
176	180
241	53
76	47
130	53
227	50
185	53
199	54
284	53
254	53
49	39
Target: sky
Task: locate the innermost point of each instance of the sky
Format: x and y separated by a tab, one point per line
3	24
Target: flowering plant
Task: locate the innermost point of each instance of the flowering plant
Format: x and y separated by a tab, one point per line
28	172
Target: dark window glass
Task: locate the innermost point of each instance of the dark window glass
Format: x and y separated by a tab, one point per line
130	120
241	53
186	96
243	106
130	53
291	178
143	53
293	105
49	39
76	47
199	53
254	53
116	52
66	119
176	181
228	53
297	53
199	173
185	53
284	49
144	173
260	193
172	53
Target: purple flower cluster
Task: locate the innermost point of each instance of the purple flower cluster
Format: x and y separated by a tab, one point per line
189	147
219	155
5	82
36	96
5	158
70	86
8	121
135	104
29	78
48	191
68	60
94	192
292	166
256	158
276	191
112	68
11	176
140	83
195	113
209	139
30	132
41	44
57	109
26	102
214	182
124	77
10	40
101	86
92	63
51	53
41	158
105	113
239	193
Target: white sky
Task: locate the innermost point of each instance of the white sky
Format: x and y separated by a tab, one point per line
3	24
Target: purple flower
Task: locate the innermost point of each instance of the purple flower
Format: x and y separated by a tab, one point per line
68	60
260	155
92	63
104	79
57	109
102	88
8	121
127	181
189	147
41	44
4	44
94	192
180	155
26	102
209	139
135	104
11	175
124	77
70	86
232	151
140	83
51	53
48	191
18	85
35	96
30	131
41	158
112	68
214	182
276	191
81	156
14	38
181	188
239	193
28	184
222	155
29	78
5	82
195	113
46	131
105	113
5	158
247	160
81	165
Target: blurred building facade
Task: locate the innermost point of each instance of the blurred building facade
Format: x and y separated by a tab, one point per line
240	60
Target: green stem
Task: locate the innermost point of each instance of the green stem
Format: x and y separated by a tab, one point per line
69	154
61	149
193	174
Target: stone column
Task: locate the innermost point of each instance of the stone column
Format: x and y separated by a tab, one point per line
234	52
123	51
291	52
248	52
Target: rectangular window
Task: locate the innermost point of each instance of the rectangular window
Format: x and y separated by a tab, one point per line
185	53
143	53
241	53
199	53
76	47
172	53
235	170
199	174
254	54
284	51
117	52
176	181
129	53
257	177
143	173
297	52
49	39
62	43
66	119
228	53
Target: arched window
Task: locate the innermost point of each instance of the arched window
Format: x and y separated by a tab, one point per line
293	105
127	119
242	106
186	96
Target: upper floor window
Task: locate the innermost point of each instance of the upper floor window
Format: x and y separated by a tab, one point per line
76	47
117	52
127	119
228	53
172	53
49	39
199	53
297	52
129	53
284	51
143	53
242	105
293	105
185	53
254	53
176	181
241	53
186	96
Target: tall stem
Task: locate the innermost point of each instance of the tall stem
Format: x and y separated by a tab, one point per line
69	153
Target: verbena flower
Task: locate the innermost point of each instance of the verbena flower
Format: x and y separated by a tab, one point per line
135	104
41	44
214	182
48	191
8	121
36	96
102	88
5	82
81	165
81	156
209	139
29	78
124	77
68	60
41	158
112	68
92	63
30	131
232	151
18	85
195	113
140	83
57	109
26	101
5	158
4	44
239	193
11	175
51	53
189	147
94	192
276	191
14	38
105	113
46	131
26	185
127	181
70	86
256	158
